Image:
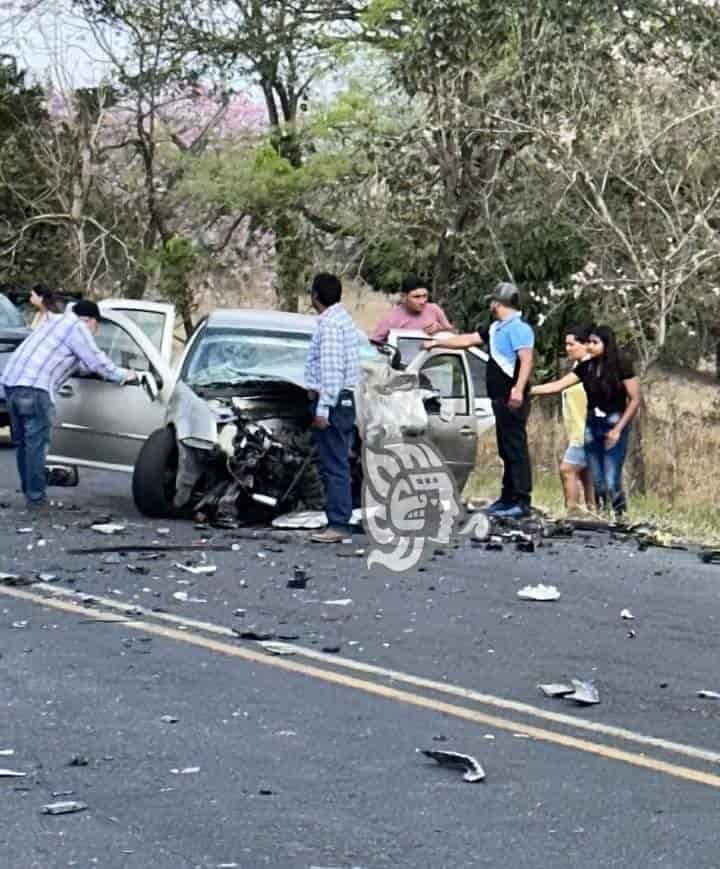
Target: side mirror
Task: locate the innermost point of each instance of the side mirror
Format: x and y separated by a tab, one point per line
431	400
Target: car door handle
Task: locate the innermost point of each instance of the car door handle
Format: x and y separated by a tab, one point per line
66	391
466	430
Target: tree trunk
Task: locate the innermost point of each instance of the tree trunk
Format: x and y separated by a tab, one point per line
290	263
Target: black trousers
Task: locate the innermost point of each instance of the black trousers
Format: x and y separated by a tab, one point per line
512	443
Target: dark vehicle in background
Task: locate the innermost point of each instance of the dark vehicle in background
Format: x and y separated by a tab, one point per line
13	331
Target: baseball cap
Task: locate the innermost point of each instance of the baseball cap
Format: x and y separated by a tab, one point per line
506	293
86	308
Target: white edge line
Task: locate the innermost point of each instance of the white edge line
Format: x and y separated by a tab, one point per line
406	678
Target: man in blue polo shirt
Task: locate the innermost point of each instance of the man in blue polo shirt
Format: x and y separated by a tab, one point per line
510	342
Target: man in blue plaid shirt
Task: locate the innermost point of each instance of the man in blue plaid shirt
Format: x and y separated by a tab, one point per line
331	375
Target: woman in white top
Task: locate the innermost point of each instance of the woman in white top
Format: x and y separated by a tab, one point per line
46	304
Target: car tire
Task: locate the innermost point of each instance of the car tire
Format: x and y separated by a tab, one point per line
153	482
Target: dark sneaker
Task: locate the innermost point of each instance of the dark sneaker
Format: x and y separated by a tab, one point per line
497	505
515	511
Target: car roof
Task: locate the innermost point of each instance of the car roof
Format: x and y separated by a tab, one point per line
247	318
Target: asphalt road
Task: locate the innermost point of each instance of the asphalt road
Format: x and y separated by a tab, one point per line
309	760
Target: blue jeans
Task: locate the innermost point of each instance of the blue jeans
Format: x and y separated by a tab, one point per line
605	465
31	413
333	448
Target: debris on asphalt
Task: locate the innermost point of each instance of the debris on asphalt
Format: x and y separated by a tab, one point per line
7	752
197	569
627	615
12	579
299	578
539	592
138	568
65	808
585	694
25	530
331	648
169	719
20	625
345	601
710	556
709	695
525	546
11	773
78	760
494	544
253	632
188	770
452	759
277	648
556	689
184	597
108	528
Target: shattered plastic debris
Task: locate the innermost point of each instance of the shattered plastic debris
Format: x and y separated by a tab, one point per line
310	520
188	770
556	689
108	528
253	632
539	592
197	569
169	719
627	615
709	695
586	694
184	597
299	579
345	601
469	765
11	773
278	648
65	808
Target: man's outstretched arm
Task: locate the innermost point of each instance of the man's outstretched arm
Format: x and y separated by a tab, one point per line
454	342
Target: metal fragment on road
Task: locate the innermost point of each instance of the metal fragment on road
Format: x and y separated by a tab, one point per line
627	615
108	528
64	808
585	694
539	592
277	648
184	597
473	771
709	695
556	689
197	569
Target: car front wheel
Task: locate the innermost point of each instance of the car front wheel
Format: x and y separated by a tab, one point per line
154	476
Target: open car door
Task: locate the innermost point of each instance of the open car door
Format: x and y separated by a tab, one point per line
155	319
409	343
104	425
451	422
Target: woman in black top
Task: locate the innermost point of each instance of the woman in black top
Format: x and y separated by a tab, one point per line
613	393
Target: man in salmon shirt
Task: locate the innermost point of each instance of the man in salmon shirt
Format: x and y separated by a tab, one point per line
414	311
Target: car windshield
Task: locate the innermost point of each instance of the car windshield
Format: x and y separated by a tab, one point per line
9	314
228	356
223	357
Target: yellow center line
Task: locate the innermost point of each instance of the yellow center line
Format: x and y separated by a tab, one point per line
597	728
399	696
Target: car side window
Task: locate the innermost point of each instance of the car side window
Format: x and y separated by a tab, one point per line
120	347
445	373
478	371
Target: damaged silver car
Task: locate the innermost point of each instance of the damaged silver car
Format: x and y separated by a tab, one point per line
226	434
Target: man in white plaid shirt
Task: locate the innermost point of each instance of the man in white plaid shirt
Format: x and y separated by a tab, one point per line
331	375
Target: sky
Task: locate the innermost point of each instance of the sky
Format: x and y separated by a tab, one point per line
52	42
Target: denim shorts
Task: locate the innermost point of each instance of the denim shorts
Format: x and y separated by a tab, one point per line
575	455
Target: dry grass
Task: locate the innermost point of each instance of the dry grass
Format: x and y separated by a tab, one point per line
682	472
